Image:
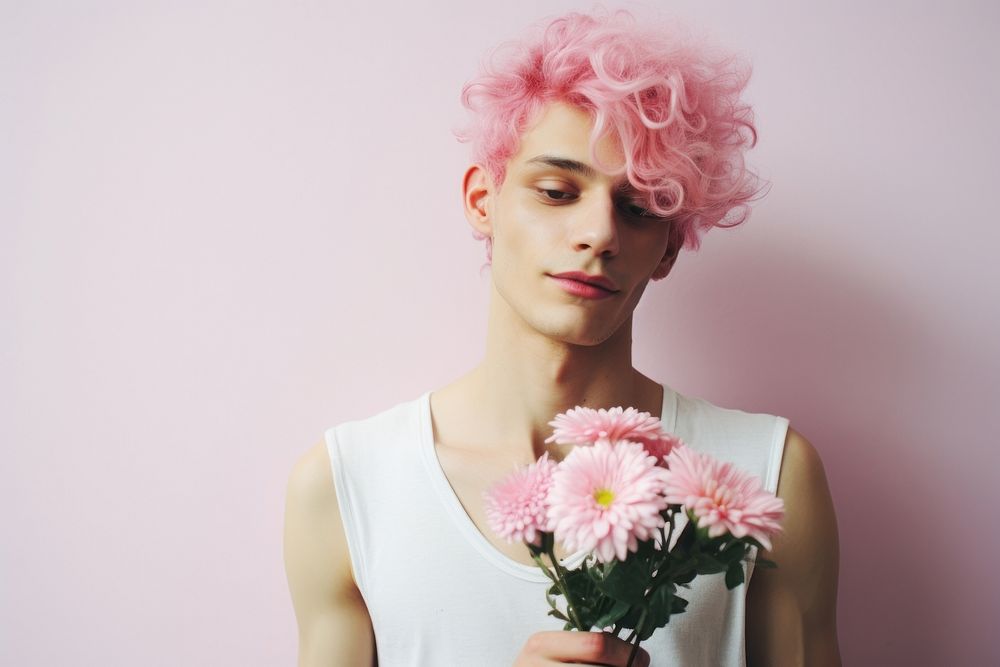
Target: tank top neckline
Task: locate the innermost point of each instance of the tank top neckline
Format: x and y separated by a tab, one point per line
461	518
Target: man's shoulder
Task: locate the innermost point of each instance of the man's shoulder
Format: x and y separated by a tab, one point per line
312	498
803	484
399	416
311	477
311	492
802	469
691	404
750	438
334	624
807	548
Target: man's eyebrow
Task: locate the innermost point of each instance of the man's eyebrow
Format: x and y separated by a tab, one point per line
564	163
574	166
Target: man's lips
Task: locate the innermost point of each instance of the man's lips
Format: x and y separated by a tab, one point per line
582	289
596	280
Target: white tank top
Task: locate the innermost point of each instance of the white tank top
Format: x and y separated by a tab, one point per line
440	594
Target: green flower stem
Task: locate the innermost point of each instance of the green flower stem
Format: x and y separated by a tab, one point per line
670	572
555	580
558	581
662	574
545	568
638	627
570	606
666	574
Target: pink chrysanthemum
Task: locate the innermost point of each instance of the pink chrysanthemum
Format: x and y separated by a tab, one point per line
605	498
661	446
516	507
582	425
721	497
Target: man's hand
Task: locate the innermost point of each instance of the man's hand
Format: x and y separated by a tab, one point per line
579	648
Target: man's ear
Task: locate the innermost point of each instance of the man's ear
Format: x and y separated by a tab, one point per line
477	191
669	257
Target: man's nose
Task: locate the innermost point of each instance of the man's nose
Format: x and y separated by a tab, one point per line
596	227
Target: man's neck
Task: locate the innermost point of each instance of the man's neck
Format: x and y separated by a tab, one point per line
505	404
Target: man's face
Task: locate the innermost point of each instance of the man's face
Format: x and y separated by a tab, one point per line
549	218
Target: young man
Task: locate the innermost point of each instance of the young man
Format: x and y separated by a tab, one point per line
601	149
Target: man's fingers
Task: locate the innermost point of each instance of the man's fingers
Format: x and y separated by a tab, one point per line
591	648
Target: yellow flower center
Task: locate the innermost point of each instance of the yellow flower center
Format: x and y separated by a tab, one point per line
603	497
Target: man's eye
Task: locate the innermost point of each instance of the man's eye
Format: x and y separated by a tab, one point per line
639	210
555	195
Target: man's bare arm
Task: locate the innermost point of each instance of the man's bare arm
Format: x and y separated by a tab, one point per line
792	609
334	624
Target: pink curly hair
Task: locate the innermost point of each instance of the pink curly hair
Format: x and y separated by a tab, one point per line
670	99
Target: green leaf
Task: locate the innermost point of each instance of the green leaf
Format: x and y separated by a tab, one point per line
678	605
763	562
626	582
579	584
592	611
660	604
630	619
734	575
706	564
595	575
712	544
550	594
645	550
686	538
583	614
611	617
647	630
733	552
558	614
685	578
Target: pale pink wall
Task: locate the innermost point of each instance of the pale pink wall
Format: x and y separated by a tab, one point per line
225	227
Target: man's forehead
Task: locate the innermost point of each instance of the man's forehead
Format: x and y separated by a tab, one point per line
564	131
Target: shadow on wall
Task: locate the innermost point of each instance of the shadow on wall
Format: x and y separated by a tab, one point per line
895	398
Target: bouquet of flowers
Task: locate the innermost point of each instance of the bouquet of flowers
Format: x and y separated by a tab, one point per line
616	495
